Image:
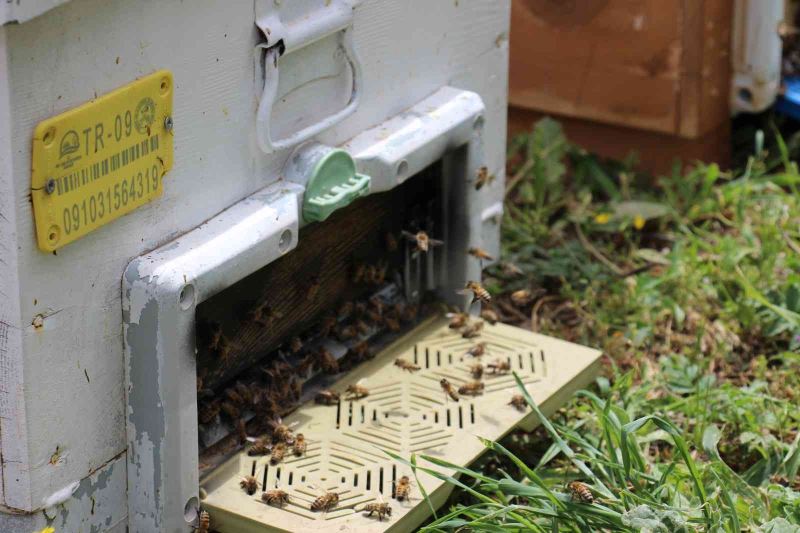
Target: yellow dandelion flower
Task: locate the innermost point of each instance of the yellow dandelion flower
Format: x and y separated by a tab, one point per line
638	222
602	218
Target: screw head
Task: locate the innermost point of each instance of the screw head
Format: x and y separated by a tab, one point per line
50	186
168	123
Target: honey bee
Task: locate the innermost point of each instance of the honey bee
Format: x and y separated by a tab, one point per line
217	338
264	315
327	397
449	389
518	401
580	491
249	484
476	370
382	509
377	274
458	320
392	324
208	412
474	388
231	410
510	269
408	313
361	351
278	453
356	392
521	297
490	316
300	444
244	392
280	431
470	332
346	309
241	429
261	446
484	178
204	522
422	242
362	327
480	253
403	489
391	242
327	325
275	497
312	289
477	350
347	332
359	273
499	367
406	365
295	345
479	293
327	362
326	502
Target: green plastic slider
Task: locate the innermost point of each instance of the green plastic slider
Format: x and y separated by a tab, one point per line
333	184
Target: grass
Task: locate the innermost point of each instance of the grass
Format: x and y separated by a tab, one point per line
691	286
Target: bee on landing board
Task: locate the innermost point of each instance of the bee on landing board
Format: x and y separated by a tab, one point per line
580	492
490	316
518	402
406	365
327	397
457	320
327	362
403	489
474	388
278	453
477	350
249	484
499	367
449	389
479	293
356	392
326	502
473	330
480	253
204	522
295	345
484	177
262	446
280	431
422	242
300	444
382	509
476	370
275	497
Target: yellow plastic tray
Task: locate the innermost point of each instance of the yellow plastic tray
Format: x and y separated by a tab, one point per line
404	413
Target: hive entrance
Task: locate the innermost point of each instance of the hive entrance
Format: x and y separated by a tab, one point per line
405	413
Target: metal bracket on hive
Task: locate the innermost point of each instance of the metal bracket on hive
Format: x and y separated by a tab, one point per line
160	291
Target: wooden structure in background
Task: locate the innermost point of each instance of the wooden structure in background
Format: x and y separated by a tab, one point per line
650	76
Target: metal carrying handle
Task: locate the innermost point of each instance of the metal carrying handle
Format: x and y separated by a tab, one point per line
264	114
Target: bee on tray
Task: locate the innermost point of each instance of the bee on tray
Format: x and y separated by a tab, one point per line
327	362
300	444
380	508
280	431
361	351
472	331
422	242
275	497
295	345
449	389
249	484
457	320
327	397
477	350
326	502
484	177
499	367
580	492
480	253
518	401
490	316
356	392
474	388
278	453
403	489
261	446
476	370
406	365
479	293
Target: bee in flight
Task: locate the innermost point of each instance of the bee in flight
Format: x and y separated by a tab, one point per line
580	492
480	253
479	293
484	178
422	242
275	497
490	316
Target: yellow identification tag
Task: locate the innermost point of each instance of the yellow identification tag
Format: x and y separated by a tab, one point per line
99	161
